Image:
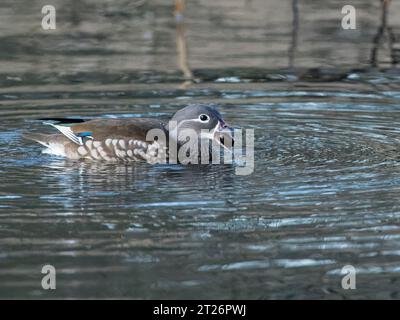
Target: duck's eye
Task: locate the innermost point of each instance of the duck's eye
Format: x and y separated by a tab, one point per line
204	118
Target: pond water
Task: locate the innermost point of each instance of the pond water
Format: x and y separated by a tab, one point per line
324	192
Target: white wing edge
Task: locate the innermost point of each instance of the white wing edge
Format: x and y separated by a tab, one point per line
66	131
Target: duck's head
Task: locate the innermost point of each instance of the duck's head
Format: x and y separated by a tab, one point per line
205	121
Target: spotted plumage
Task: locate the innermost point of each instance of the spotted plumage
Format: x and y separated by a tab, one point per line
125	139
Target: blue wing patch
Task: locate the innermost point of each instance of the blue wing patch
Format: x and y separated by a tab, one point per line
84	134
66	131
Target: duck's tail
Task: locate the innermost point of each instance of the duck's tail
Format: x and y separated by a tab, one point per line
43	139
54	143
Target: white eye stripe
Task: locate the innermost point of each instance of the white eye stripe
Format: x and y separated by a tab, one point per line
192	120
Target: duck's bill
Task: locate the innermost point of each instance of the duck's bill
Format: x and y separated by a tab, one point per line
224	136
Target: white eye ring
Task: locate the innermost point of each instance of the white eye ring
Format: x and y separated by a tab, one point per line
204	118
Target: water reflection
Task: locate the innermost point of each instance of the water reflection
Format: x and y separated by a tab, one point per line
295	30
326	183
181	44
385	32
142	35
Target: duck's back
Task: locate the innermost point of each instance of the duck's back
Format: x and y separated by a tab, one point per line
104	139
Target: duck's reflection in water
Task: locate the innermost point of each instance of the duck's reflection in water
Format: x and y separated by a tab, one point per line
139	185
